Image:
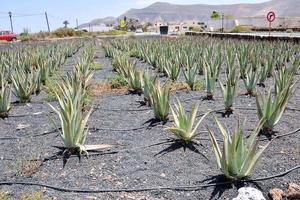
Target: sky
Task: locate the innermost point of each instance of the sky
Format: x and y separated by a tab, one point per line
31	13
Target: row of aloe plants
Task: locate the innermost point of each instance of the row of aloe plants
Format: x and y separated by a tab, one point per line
254	61
25	71
238	156
73	109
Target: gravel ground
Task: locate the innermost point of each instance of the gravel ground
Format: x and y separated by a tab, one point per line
134	161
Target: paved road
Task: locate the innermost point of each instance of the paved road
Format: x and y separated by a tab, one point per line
263	34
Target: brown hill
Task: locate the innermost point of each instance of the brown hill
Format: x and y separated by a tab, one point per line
172	12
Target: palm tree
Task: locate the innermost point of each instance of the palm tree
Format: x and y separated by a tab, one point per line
66	23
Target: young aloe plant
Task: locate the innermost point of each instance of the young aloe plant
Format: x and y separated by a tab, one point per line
242	55
184	127
83	73
44	71
5	97
283	78
191	77
229	90
160	97
263	75
172	70
39	83
25	85
271	108
149	82
73	120
135	81
211	76
238	156
250	81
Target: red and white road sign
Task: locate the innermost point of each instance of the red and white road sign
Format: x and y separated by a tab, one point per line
271	16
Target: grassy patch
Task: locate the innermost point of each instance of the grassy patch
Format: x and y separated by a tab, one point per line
112	32
3	42
240	29
177	86
96	66
117	81
4	195
33	196
67	32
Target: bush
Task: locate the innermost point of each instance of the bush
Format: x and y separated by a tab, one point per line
42	35
240	29
112	32
64	32
196	29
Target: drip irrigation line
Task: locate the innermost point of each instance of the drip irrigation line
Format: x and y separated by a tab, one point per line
124	130
293	109
57	157
283	135
254	109
123	110
28	115
192	98
244	108
145	189
31	136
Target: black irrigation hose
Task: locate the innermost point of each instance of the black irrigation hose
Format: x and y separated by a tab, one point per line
123	110
173	188
27	115
283	135
31	136
121	130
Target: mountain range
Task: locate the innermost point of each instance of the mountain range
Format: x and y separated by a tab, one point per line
162	11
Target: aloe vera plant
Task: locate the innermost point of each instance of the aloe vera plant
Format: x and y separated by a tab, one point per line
72	119
149	82
263	75
211	76
183	126
84	74
242	55
283	78
191	77
250	81
172	70
271	108
24	84
160	97
239	156
229	91
135	81
5	98
44	71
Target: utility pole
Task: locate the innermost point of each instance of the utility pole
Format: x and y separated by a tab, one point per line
222	22
47	21
76	23
11	23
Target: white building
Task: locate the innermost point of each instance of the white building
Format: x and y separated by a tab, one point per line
96	28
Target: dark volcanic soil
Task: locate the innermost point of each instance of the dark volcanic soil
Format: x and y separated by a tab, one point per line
134	162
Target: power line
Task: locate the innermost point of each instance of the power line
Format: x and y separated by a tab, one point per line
27	15
56	17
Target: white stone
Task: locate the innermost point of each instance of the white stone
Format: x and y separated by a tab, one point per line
248	193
